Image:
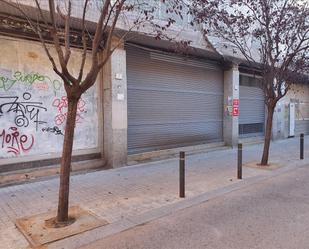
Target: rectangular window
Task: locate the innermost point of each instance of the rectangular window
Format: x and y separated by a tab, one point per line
249	81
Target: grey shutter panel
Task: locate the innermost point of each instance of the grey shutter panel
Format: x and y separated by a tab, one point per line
301	115
302	126
171	104
251	110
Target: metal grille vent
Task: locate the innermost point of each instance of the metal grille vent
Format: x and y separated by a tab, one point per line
251	128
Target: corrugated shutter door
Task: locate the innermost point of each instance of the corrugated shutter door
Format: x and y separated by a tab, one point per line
171	104
302	112
302	126
251	110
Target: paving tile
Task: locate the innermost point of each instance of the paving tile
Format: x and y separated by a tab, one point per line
132	191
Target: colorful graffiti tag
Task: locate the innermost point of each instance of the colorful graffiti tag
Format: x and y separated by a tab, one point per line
25	109
15	142
36	80
62	106
33	112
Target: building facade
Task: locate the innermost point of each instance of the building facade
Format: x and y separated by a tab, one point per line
146	99
33	108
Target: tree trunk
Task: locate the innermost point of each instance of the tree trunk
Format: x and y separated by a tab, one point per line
63	203
269	124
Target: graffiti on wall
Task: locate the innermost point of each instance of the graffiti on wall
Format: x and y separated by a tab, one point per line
14	142
35	80
33	111
61	104
26	110
55	130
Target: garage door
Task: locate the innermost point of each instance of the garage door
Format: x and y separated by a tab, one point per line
302	126
301	117
172	102
251	107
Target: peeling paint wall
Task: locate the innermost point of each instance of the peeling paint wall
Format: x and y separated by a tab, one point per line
33	105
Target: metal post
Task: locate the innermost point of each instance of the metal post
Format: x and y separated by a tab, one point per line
302	138
239	166
182	174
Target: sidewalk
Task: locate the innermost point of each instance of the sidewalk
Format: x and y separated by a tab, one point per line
122	194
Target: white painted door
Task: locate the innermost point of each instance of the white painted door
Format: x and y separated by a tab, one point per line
292	120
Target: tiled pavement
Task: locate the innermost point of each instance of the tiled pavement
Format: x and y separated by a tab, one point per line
126	192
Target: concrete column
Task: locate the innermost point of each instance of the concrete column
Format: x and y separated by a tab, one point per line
231	92
115	109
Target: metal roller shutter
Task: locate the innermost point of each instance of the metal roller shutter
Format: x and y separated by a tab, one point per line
171	102
302	126
301	115
251	108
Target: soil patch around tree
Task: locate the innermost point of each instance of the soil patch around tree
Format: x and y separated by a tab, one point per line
270	166
41	229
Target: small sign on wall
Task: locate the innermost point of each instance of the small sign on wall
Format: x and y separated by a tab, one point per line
120	96
235	102
118	76
235	107
235	111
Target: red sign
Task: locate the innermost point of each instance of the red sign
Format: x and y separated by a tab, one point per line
235	107
235	111
235	102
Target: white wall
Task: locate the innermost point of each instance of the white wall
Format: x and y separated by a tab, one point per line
33	104
300	94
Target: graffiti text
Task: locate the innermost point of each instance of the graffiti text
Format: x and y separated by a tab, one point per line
62	105
55	130
25	109
36	80
14	142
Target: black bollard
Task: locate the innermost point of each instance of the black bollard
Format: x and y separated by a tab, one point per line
239	165
182	174
302	138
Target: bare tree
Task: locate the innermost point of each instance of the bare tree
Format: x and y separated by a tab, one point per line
272	35
115	18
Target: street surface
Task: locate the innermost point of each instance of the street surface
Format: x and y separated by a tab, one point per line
129	196
272	214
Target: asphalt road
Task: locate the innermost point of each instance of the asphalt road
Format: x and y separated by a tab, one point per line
271	214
